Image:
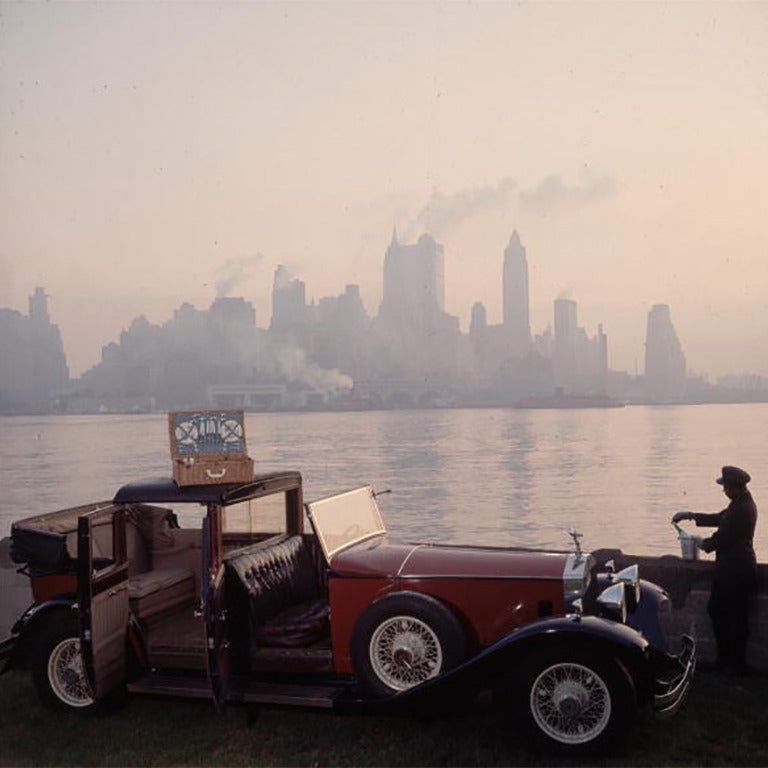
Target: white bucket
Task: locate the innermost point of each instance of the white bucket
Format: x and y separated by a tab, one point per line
688	546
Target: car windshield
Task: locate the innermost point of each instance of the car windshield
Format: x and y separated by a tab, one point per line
264	514
345	519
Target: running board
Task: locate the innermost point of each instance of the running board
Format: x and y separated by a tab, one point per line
172	685
291	695
319	696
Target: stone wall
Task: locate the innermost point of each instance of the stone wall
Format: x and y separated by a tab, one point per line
688	583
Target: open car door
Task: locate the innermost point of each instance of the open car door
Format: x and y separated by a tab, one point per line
102	594
214	611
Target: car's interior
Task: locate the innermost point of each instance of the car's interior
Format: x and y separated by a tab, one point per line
275	590
275	595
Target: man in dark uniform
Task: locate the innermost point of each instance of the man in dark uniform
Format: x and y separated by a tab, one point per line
735	573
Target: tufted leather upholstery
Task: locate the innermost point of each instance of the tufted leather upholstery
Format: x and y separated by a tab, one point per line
276	585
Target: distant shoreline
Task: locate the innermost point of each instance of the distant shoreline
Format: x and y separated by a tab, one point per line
458	407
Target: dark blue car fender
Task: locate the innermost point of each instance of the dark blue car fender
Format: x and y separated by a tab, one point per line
623	643
26	628
598	635
646	617
15	651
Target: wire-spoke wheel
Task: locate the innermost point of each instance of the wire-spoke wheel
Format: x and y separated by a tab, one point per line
575	701
67	676
404	640
58	668
570	703
404	652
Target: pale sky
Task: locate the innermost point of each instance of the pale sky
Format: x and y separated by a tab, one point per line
150	151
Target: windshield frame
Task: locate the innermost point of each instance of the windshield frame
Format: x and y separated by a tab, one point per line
356	509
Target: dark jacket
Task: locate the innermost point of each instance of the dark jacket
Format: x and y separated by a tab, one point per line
732	542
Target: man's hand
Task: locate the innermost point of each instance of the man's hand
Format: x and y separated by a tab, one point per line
679	516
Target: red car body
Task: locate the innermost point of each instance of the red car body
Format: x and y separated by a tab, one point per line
491	591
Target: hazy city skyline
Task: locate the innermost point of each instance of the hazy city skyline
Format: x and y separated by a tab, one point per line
159	153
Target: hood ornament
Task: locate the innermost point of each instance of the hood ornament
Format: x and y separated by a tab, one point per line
575	535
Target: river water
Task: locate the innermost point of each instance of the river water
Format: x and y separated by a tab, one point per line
484	476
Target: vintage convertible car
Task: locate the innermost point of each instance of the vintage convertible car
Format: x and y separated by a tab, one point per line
217	590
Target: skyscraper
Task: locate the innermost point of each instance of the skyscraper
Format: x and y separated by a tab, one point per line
565	360
517	327
289	310
414	282
418	338
665	374
36	368
580	362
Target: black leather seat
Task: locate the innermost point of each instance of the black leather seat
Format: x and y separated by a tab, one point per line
276	585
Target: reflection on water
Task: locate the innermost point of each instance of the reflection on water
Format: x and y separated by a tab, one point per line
485	476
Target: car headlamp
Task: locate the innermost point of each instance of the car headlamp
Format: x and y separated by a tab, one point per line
630	577
613	602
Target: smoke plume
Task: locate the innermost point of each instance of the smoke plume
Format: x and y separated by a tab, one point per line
234	272
293	364
445	212
553	194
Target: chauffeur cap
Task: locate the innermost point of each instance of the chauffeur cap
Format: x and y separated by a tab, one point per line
733	476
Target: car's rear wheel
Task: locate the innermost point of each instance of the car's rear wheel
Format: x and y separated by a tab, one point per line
58	668
575	701
404	640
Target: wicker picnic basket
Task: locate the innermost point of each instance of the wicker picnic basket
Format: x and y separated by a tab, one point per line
208	447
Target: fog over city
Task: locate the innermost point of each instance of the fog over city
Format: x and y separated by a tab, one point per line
154	154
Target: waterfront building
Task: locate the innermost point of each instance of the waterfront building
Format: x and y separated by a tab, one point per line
665	370
414	337
497	348
340	333
580	362
413	291
33	367
517	329
564	351
289	304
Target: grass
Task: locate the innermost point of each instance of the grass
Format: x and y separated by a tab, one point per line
723	723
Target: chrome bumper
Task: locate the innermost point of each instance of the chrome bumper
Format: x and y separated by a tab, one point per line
674	680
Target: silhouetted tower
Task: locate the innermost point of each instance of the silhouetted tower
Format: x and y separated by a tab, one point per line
418	339
665	372
289	309
414	282
38	309
479	319
341	333
36	369
602	351
517	327
564	353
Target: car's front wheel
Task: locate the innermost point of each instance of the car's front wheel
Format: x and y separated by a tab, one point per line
404	640
58	668
574	701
